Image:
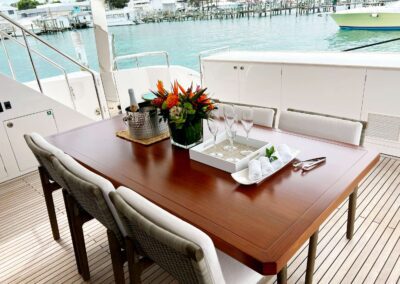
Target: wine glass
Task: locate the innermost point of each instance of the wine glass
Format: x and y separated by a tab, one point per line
231	132
212	123
230	127
246	119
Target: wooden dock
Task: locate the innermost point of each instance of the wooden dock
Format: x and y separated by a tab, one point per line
267	9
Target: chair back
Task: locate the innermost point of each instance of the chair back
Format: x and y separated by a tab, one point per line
43	156
262	116
182	250
322	126
88	194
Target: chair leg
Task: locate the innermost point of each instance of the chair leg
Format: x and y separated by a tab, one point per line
351	214
117	258
312	251
71	229
282	275
133	263
79	238
48	197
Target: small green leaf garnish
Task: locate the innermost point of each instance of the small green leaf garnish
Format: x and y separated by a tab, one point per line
269	153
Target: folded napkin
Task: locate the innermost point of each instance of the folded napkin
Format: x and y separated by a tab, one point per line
285	152
278	163
255	170
266	167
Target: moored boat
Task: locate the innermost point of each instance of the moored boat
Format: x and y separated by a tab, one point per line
370	18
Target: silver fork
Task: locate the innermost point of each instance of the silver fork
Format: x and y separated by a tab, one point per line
308	165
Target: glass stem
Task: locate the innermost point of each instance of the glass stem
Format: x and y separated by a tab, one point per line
247	139
215	142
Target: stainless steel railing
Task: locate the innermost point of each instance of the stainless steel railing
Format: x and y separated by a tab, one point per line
4	35
136	56
208	52
26	32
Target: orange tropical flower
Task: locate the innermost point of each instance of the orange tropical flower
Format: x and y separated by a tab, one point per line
203	99
160	87
176	88
172	100
181	88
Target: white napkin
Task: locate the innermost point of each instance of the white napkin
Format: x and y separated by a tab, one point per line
255	170
277	164
266	166
284	152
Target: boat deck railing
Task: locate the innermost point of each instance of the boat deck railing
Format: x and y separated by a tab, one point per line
136	57
209	52
25	32
4	36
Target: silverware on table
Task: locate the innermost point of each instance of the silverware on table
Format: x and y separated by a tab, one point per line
310	164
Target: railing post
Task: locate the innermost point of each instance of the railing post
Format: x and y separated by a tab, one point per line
8	56
32	63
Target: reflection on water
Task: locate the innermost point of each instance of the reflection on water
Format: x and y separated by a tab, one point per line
344	39
184	40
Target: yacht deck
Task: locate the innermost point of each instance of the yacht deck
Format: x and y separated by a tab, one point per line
30	255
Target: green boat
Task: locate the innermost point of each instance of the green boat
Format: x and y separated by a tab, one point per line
370	18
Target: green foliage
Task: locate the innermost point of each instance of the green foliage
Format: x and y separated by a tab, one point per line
117	4
269	153
27	4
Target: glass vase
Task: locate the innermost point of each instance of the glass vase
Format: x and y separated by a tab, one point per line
191	134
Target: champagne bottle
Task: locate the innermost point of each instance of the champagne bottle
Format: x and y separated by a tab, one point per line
134	105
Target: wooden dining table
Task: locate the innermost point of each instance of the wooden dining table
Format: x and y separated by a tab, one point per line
263	225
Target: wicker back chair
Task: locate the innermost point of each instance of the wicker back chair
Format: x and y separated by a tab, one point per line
328	127
86	201
184	251
51	181
180	257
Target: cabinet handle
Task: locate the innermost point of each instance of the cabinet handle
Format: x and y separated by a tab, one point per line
241	68
10	125
235	67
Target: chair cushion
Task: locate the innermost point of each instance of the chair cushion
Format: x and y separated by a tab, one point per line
104	184
42	143
261	116
237	273
177	226
336	129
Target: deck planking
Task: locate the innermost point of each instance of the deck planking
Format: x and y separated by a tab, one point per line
30	255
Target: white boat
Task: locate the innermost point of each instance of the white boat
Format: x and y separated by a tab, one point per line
120	17
29	24
370	18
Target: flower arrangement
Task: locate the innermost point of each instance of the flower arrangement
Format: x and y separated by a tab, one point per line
184	110
182	106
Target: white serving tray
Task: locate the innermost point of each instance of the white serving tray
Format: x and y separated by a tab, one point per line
242	175
196	153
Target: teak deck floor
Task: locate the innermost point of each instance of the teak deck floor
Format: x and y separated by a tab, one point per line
28	253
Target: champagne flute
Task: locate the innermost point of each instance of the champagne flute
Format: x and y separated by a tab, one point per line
212	123
247	116
232	134
229	116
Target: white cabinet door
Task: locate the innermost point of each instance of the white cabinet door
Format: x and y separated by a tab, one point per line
3	171
41	122
222	81
260	84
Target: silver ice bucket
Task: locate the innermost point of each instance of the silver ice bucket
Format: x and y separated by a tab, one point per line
145	123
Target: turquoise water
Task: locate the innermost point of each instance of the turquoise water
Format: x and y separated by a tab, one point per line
184	40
